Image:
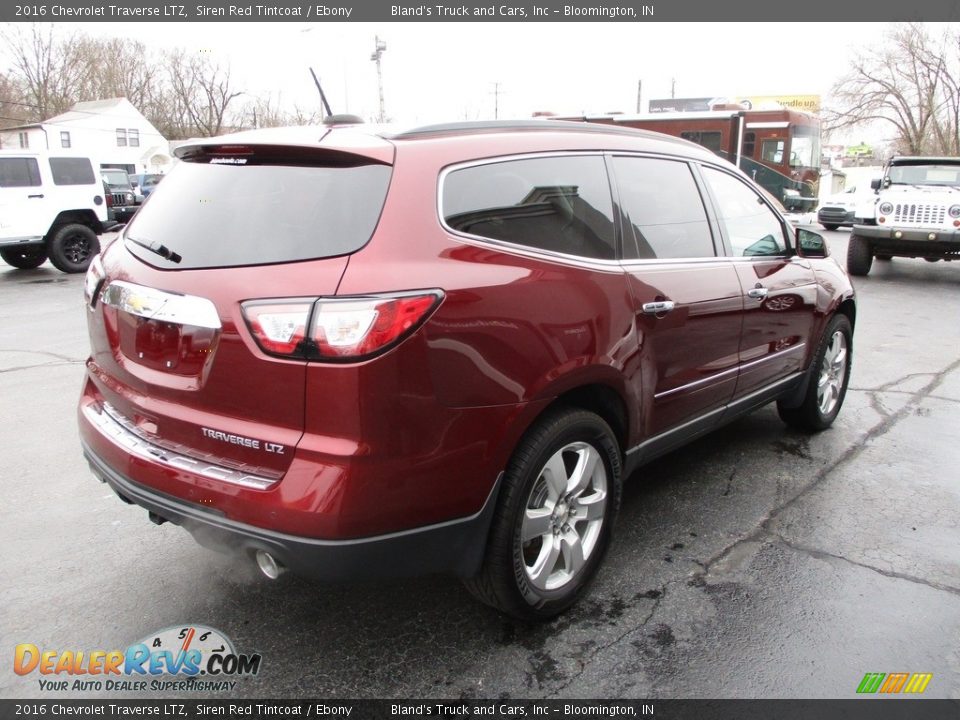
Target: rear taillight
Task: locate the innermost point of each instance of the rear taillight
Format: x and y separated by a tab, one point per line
92	281
109	198
279	328
338	329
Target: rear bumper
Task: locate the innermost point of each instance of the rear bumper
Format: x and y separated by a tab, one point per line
455	547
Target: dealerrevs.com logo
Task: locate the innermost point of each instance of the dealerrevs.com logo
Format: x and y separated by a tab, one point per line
181	658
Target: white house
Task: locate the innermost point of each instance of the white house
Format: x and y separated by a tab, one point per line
112	131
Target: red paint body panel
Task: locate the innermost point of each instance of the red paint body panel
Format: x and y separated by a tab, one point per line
419	435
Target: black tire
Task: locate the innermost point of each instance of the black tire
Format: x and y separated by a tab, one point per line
830	226
859	257
24	258
72	248
884	258
508	578
813	415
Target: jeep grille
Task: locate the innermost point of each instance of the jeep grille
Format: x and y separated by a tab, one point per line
915	214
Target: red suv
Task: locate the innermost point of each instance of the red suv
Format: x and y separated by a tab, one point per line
357	353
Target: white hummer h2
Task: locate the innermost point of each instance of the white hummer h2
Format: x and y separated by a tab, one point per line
52	204
916	213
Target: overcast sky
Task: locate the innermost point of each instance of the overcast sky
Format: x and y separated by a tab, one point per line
448	71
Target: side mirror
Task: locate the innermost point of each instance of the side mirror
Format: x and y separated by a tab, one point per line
811	244
876	183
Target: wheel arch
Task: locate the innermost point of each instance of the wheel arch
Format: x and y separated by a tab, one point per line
80	217
602	400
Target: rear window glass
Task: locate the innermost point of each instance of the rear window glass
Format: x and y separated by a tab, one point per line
72	171
228	215
559	204
19	172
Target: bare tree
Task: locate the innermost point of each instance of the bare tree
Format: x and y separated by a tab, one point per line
268	111
53	71
13	110
909	83
200	94
125	69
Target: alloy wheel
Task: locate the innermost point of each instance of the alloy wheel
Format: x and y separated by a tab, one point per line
833	372
564	516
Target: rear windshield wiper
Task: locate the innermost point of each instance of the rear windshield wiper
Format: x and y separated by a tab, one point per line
157	248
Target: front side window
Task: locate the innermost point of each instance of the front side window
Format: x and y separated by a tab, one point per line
664	209
751	226
557	204
771	151
72	171
19	172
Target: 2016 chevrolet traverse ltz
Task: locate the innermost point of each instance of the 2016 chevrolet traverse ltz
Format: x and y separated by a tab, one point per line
353	352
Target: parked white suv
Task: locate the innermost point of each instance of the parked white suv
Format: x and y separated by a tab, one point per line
916	213
51	205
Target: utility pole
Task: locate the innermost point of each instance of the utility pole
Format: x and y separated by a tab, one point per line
496	100
379	47
673	88
639	94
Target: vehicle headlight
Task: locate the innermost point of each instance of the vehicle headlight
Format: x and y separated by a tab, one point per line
129	197
885	208
954	211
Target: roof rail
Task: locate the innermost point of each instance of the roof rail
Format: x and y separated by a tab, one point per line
491	126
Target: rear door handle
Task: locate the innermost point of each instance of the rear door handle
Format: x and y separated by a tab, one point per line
757	293
659	307
34	196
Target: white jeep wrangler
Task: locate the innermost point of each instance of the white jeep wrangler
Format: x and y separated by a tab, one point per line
52	204
915	213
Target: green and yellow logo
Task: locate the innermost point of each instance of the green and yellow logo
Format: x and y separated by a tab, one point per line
894	683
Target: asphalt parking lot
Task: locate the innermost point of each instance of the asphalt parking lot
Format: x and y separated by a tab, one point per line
758	562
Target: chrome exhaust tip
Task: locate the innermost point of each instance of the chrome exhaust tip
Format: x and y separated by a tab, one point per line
269	565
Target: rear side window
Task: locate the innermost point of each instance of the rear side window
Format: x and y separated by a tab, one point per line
251	212
663	208
558	204
19	172
72	171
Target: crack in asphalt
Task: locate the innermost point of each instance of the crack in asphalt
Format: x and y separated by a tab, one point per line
41	365
944	398
586	662
889	421
823	555
726	491
878	430
55	356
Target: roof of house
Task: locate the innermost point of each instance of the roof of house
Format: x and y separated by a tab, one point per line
109	107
